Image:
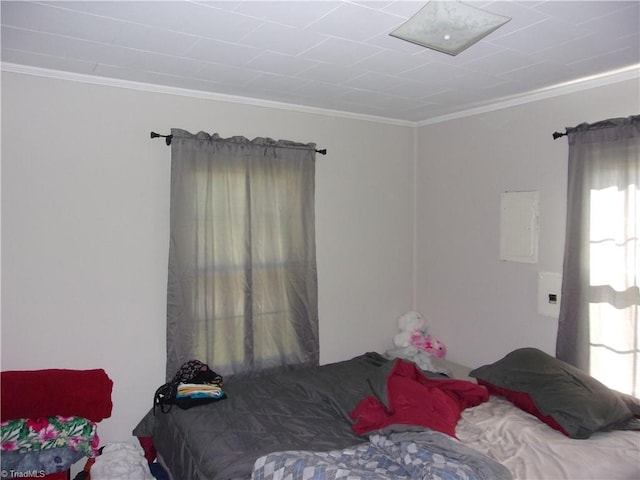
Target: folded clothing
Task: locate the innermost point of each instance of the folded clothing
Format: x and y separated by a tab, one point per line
32	434
194	384
199	390
44	393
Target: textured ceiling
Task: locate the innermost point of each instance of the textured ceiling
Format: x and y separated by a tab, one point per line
334	55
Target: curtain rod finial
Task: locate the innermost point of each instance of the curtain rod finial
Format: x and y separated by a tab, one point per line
167	138
557	135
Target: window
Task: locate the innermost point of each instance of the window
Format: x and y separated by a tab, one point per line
598	330
614	266
244	297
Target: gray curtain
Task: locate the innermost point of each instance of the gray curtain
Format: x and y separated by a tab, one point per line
242	286
598	325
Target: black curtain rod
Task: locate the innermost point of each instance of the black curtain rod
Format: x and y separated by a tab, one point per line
583	127
167	140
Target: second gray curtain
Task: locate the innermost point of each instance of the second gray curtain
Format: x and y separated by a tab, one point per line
242	288
598	329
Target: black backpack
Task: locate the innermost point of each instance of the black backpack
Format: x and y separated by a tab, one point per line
194	371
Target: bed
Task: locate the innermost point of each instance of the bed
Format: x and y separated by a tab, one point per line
372	418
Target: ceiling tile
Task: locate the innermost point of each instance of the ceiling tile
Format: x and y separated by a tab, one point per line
386	41
280	64
417	90
329	54
522	14
466	97
47	61
437	72
369	97
545	34
47	19
222	52
153	62
618	22
178	16
216	72
480	50
332	73
319	90
540	75
176	81
390	62
354	22
153	39
476	81
585	48
610	61
273	82
567	11
281	39
376	82
500	62
341	52
507	89
294	14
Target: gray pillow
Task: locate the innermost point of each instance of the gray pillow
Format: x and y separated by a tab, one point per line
559	394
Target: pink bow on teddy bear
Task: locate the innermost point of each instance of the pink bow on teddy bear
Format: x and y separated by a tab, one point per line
428	344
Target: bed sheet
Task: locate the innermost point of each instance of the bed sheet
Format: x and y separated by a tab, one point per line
532	450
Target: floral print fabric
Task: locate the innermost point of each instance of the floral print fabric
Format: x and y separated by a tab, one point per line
32	434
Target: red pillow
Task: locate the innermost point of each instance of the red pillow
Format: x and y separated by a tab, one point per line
524	402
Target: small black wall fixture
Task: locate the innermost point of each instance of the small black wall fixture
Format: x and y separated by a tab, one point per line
167	139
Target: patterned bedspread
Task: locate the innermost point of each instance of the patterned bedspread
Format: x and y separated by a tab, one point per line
403	455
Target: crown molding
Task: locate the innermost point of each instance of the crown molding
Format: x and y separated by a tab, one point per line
628	73
586	83
220	97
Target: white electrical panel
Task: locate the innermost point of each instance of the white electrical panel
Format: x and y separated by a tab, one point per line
549	293
519	226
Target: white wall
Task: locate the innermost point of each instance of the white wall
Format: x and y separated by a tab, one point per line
85	227
85	224
481	307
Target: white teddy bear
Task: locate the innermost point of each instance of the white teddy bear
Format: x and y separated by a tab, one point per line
409	323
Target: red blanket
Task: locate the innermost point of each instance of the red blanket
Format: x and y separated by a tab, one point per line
414	399
47	393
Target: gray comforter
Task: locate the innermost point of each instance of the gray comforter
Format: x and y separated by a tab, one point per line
304	409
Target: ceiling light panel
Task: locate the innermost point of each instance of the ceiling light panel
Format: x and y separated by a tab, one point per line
449	26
